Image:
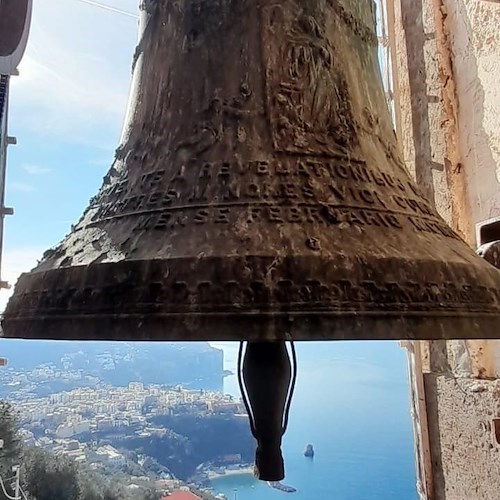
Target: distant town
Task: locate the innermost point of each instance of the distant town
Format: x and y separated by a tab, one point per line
147	434
66	415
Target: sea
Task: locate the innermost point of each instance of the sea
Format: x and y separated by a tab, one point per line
352	404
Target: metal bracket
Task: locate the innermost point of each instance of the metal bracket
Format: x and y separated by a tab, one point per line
488	239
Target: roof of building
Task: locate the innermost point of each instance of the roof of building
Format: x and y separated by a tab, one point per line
182	495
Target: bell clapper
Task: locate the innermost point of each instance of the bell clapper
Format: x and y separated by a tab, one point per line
267	381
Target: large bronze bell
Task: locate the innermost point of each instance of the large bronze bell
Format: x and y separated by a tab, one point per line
258	195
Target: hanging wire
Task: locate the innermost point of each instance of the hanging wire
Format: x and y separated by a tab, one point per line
23	493
5	491
291	390
110	8
244	396
292	387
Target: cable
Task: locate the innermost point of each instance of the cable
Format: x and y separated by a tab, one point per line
5	491
243	391
110	8
23	493
292	387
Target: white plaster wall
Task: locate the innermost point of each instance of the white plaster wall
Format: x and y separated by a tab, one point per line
474	27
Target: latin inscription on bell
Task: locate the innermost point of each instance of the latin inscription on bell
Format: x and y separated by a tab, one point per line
299	190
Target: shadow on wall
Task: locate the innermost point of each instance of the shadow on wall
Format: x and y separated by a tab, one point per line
413	24
438	479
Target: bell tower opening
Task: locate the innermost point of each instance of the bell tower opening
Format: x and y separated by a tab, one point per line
259	195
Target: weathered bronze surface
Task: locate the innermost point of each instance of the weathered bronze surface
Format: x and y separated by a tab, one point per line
258	193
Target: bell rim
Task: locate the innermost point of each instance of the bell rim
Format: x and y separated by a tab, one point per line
349	326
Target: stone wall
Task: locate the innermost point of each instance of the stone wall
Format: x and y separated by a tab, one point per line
448	78
465	451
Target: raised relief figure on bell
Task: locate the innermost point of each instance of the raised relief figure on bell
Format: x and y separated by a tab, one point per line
308	91
218	122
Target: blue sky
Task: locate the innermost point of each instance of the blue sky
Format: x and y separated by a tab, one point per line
66	110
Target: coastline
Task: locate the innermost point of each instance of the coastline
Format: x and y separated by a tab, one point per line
243	471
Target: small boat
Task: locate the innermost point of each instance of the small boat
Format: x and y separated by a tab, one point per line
281	487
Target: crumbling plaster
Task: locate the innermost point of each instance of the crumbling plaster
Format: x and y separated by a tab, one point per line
473	27
474	42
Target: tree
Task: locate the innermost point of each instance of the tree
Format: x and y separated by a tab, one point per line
150	495
49	477
10	451
90	487
46	476
97	486
94	486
